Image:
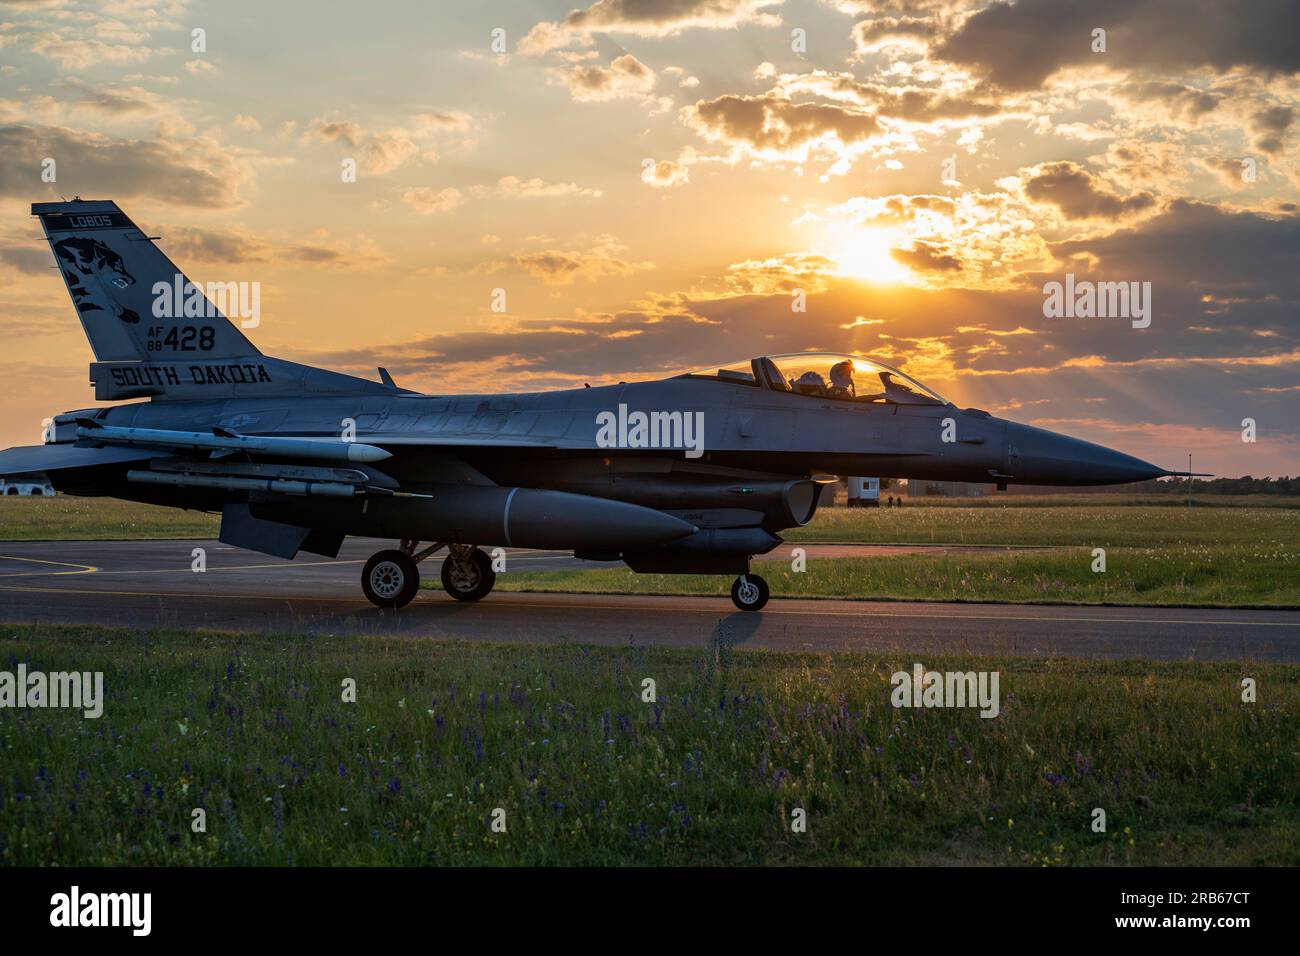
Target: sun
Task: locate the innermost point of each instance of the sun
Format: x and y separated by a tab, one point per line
866	254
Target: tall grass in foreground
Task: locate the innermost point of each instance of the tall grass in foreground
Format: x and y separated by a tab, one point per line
254	731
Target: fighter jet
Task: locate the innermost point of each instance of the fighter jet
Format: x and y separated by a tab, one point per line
695	473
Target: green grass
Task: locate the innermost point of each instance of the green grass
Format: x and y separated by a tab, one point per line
1232	556
65	518
1264	575
1105	499
1094	526
254	731
1228	557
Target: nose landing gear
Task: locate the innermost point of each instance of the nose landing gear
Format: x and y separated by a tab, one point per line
391	578
750	592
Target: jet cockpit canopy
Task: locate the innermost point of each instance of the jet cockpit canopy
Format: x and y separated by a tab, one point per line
827	375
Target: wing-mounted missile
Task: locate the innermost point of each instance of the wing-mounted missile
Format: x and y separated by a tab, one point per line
360	477
221	442
307	489
274	478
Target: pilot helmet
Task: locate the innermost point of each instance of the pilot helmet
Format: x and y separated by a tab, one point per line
842	374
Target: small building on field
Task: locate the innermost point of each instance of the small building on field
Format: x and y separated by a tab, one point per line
29	486
920	488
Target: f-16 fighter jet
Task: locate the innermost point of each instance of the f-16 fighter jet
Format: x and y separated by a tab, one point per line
692	474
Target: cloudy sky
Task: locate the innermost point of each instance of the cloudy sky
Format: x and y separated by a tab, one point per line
651	182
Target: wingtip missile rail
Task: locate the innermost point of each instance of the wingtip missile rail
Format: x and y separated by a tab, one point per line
320	449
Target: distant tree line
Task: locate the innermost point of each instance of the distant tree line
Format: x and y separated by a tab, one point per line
1216	486
1172	486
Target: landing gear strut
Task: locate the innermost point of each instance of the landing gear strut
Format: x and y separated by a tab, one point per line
750	592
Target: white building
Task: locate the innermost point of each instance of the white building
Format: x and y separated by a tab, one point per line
923	488
26	485
863	492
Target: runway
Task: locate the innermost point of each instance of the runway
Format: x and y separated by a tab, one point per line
149	584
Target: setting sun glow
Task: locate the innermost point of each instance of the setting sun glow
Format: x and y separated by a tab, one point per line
866	254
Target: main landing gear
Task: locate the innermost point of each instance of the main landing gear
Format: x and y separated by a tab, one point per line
750	592
467	573
391	578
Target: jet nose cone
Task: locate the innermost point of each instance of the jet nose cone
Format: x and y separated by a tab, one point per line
1037	456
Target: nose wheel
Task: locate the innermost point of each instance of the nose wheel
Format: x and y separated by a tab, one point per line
750	592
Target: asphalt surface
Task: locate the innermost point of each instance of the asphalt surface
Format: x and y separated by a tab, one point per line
151	584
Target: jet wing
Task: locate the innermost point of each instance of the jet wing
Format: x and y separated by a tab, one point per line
55	458
99	446
217	460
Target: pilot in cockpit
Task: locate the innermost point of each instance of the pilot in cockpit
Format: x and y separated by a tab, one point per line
841	380
810	383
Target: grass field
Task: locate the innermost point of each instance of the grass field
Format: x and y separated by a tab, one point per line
1263	576
1091	525
64	518
254	731
1227	557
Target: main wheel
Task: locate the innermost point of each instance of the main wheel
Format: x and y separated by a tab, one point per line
750	592
390	579
468	579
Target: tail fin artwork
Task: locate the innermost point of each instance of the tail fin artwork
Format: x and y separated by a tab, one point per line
155	334
134	304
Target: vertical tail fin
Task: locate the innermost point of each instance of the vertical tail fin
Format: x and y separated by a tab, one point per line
118	280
